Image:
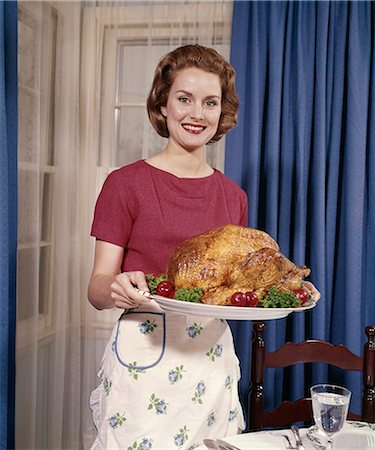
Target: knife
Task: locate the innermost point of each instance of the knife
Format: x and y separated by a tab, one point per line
295	431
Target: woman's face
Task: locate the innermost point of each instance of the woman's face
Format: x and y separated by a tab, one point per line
193	108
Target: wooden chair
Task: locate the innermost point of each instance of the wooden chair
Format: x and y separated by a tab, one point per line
309	351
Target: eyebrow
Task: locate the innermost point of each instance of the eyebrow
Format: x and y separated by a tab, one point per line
189	93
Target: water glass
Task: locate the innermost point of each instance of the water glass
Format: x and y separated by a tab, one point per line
330	405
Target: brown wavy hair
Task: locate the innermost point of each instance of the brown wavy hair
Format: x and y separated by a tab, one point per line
203	58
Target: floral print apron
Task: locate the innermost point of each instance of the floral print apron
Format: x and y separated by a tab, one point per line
167	382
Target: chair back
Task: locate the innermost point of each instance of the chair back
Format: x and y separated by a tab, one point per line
308	351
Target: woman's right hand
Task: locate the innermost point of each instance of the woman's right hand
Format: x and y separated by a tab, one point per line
124	290
109	287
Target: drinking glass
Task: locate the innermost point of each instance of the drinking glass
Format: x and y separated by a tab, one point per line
330	405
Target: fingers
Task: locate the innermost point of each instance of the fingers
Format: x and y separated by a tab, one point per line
124	290
138	279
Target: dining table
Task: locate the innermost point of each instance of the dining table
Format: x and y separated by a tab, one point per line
354	435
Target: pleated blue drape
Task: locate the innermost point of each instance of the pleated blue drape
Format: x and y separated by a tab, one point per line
8	217
304	151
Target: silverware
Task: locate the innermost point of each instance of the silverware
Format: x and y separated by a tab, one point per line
213	444
210	443
295	431
290	446
226	444
217	444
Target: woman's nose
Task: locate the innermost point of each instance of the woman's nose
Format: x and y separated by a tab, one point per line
197	111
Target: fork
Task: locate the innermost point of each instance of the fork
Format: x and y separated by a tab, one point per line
290	446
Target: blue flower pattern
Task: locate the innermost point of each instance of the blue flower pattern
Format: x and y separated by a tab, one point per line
117	420
181	437
215	352
145	444
211	419
199	391
233	414
159	405
228	383
194	330
107	385
175	374
147	327
134	371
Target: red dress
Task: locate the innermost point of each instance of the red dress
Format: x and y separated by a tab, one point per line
167	380
149	212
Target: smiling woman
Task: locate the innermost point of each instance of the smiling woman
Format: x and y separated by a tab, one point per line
193	109
143	212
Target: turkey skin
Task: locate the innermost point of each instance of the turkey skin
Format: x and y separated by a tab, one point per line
229	259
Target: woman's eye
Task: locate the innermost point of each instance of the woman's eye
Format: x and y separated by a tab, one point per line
183	99
211	103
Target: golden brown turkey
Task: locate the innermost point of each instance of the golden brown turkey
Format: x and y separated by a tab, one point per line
230	259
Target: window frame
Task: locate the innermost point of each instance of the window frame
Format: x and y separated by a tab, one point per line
44	165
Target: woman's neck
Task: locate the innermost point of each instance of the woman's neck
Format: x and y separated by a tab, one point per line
182	164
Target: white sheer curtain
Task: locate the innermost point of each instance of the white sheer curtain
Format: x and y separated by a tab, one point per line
84	73
48	310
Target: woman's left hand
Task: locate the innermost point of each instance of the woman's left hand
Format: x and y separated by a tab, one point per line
311	289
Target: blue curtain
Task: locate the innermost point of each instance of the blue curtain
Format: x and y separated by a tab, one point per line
8	217
304	151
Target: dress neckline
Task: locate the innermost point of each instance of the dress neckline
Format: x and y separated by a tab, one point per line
177	177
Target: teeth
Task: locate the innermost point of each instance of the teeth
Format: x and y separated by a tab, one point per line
193	127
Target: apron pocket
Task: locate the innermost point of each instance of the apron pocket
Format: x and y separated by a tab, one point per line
140	339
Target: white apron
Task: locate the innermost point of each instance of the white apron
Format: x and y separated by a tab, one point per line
168	382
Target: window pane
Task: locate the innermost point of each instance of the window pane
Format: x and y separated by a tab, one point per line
129	136
51	93
27	286
132	74
136	64
28	210
155	142
28	46
44	279
28	126
46	202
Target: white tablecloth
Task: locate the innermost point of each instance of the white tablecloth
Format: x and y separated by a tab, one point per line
354	435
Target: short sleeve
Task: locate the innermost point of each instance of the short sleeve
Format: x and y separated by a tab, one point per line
112	217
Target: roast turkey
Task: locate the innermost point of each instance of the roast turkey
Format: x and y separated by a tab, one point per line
230	259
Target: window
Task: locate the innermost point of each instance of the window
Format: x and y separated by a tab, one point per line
131	50
36	84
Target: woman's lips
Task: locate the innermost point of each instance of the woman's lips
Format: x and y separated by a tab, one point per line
195	129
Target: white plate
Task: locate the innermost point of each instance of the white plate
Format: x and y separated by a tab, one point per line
354	435
254	441
227	312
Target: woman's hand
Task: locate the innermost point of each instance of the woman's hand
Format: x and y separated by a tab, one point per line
311	289
109	287
124	290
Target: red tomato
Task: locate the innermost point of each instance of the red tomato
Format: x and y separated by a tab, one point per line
238	299
165	289
302	295
251	298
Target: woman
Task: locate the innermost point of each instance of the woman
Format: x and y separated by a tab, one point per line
167	380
